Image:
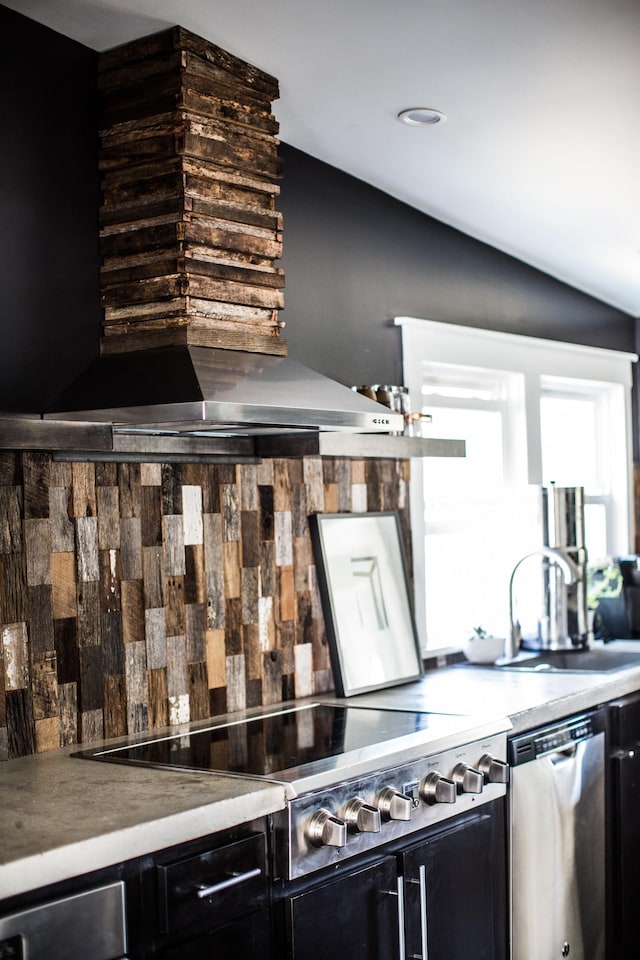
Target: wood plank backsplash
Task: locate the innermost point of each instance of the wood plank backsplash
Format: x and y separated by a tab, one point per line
133	596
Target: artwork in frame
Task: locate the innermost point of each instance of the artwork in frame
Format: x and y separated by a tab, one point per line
362	578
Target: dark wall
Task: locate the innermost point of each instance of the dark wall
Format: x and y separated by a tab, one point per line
49	196
354	258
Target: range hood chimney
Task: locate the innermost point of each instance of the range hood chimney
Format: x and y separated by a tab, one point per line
190	238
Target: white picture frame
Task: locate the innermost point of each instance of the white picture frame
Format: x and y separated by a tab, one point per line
363	584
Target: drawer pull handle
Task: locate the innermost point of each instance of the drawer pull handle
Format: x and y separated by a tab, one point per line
203	892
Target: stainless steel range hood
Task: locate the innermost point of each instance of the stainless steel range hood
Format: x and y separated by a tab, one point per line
204	391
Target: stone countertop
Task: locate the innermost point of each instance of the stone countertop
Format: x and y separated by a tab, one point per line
527	699
61	816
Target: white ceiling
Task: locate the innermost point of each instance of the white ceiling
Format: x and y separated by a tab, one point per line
539	154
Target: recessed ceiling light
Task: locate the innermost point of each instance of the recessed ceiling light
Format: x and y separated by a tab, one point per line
421	116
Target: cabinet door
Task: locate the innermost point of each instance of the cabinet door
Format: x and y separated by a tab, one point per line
626	854
245	938
351	918
455	891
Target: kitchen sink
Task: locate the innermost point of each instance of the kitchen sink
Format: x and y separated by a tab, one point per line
574	661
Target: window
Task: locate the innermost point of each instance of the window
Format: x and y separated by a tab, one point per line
532	412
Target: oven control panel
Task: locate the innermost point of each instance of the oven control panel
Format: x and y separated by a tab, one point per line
330	825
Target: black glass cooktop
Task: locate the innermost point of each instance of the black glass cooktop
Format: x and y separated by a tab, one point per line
268	745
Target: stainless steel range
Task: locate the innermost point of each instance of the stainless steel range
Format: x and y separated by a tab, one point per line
356	778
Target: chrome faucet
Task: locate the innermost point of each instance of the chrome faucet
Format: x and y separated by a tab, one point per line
571	575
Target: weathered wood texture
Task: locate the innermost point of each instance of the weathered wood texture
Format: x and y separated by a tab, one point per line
189	230
138	595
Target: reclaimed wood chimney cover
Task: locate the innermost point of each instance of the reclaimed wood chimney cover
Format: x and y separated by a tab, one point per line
189	231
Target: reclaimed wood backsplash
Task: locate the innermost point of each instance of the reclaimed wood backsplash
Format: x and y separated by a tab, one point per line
133	596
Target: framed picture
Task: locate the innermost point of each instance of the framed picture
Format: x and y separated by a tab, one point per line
363	584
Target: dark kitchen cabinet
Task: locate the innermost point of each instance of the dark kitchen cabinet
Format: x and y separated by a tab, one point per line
443	897
455	893
354	917
624	827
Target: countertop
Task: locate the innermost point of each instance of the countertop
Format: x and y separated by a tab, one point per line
61	816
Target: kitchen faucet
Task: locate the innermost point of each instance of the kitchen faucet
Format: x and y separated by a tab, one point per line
570	574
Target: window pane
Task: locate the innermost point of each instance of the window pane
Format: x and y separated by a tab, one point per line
568	434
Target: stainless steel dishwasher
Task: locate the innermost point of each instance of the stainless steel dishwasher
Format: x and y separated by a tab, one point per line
557	826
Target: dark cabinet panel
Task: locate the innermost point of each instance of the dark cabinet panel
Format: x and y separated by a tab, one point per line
248	937
455	893
351	918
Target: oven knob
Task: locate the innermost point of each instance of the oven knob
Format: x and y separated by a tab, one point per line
437	789
394	805
467	779
325	830
495	771
362	817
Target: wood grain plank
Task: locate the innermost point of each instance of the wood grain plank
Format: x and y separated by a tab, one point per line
91	726
21	738
233	626
179	709
231	554
358	472
157	698
112	644
250	583
13	578
216	658
171	484
230	512
83	483
38	551
281	497
192	514
88	563
283	538
250	538
304	618
151	515
106	474
266	513
155	631
39	612
252	651
130	490
198	691
286	594
133	612
115	701
302	560
174	605
62	528
215	600
299	513
315	486
14	646
110	580
108	503
89	614
343	477
196	624
35	471
359	498
151	474
60	474
131	548
67	655
177	678
47	734
272	678
195	581
135	671
63	586
68	713
266	623
248	487
153	576
174	558
90	688
268	579
303	653
236	684
331	501
11	525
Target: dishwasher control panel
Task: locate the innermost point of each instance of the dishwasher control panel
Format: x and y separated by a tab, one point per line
560	736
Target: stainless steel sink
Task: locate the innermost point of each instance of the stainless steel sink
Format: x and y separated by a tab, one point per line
575	661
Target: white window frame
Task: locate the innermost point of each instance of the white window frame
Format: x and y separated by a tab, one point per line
535	359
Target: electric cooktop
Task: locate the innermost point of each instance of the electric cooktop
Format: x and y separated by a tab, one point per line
307	746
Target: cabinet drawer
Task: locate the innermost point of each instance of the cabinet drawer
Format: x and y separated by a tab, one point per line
213	887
